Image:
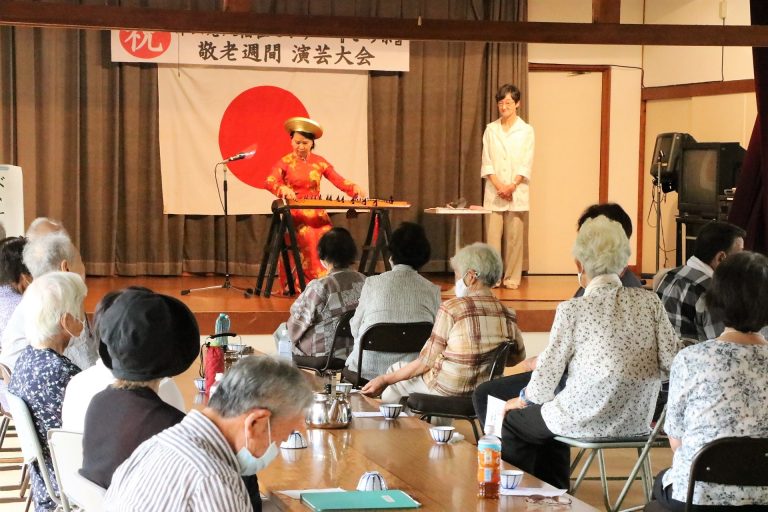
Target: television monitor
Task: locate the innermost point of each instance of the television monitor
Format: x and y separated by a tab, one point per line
665	165
707	170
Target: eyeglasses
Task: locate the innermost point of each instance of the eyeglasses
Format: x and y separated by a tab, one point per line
548	501
506	103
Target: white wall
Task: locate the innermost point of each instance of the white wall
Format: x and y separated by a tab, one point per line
626	75
670	65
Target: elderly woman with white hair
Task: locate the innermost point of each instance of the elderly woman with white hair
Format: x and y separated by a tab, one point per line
615	343
54	315
468	329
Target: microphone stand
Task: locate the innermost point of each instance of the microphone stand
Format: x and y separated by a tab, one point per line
227	284
658	210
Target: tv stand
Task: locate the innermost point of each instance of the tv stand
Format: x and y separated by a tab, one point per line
687	229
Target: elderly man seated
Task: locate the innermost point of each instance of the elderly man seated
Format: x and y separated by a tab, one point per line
197	464
467	331
42	254
682	288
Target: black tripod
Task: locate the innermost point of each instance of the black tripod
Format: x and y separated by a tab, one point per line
227	284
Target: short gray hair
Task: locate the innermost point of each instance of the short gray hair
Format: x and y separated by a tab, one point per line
44	254
262	382
483	259
43	226
48	299
602	246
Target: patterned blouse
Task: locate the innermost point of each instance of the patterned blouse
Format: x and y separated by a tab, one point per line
616	344
303	177
316	312
716	389
467	330
40	378
9	299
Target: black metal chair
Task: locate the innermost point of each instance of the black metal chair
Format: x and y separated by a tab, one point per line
329	364
729	461
458	407
389	337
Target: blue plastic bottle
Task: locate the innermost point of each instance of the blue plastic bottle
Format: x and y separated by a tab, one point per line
222	326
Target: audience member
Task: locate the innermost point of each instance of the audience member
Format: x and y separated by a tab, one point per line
505	388
54	314
145	337
719	388
43	254
615	342
398	296
86	384
682	289
43	226
197	464
315	313
14	277
467	331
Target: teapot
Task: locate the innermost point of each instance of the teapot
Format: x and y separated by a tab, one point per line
329	411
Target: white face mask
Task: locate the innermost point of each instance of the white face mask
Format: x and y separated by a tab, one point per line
461	287
250	464
578	278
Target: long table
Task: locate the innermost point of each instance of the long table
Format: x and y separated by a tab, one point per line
440	477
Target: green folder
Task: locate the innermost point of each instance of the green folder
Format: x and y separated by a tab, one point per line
358	500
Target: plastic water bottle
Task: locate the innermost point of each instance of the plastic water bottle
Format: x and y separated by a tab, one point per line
488	466
284	346
222	326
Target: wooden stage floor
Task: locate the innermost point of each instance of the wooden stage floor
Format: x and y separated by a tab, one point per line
535	301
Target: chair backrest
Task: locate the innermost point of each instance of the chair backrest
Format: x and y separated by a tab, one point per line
30	444
5	380
392	337
67	454
499	360
730	461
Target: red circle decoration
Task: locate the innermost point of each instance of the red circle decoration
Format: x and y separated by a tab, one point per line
254	121
145	44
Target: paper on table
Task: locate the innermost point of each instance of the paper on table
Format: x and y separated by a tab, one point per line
531	491
370	414
296	494
494	415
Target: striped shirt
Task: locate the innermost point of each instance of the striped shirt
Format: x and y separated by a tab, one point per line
188	467
460	350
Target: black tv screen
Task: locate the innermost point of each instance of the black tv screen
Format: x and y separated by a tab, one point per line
698	179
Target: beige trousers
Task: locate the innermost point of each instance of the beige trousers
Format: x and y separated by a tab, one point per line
506	232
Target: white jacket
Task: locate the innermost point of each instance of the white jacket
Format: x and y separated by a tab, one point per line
507	154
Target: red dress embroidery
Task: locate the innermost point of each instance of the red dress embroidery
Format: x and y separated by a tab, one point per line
303	177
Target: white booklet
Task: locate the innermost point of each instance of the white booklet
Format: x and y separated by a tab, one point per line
494	416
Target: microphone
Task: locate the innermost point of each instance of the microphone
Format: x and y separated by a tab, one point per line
240	156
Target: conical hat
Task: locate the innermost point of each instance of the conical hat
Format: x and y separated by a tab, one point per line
303	124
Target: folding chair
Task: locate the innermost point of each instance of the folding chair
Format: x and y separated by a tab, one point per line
729	461
389	337
67	454
458	407
597	446
30	446
329	364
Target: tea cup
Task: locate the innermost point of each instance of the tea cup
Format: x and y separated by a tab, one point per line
391	411
371	481
200	385
511	478
344	388
295	441
441	435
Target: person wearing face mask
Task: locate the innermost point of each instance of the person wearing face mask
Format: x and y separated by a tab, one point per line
54	315
145	336
297	176
616	344
467	330
316	312
14	277
197	464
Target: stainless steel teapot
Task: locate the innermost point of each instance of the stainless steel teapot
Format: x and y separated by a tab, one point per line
329	410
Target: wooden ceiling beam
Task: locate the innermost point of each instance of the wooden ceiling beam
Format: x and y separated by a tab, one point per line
606	11
47	14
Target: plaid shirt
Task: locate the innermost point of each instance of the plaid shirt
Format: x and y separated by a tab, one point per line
316	312
467	330
682	293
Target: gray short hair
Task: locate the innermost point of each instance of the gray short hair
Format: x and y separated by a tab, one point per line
483	259
48	299
45	253
262	382
602	246
43	226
